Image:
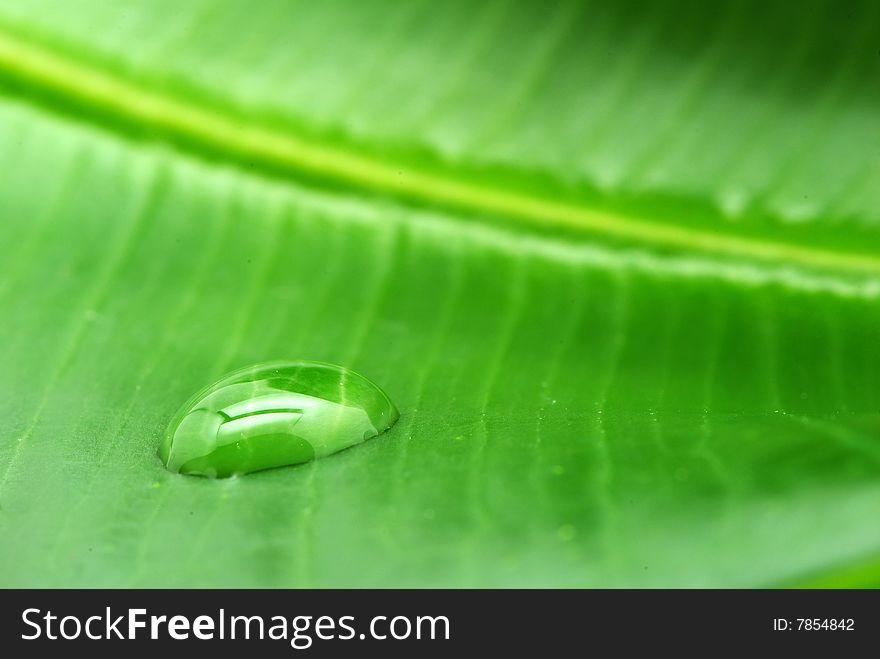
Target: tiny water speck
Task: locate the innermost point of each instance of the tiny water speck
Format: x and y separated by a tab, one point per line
272	415
566	533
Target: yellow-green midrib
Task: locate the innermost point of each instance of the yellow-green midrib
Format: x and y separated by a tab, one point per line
220	131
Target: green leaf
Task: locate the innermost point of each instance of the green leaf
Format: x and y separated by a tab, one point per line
617	265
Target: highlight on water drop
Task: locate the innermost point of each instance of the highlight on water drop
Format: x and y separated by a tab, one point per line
272	415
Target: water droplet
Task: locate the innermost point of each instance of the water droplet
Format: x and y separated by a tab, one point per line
272	415
566	532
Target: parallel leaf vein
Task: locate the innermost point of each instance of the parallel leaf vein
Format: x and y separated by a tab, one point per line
237	139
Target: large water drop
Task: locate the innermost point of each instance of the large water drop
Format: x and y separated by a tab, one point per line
274	414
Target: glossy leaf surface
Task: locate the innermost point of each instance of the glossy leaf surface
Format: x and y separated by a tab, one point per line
617	266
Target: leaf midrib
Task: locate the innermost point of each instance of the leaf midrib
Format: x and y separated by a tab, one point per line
222	132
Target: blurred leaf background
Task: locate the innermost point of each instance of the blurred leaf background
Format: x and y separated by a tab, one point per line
617	263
